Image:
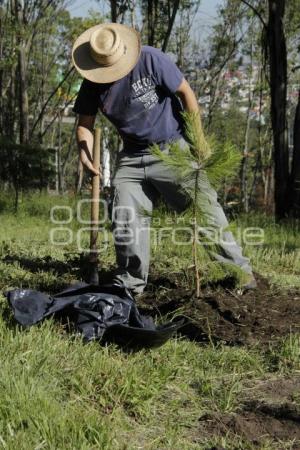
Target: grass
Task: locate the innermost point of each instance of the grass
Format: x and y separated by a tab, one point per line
279	256
274	251
58	393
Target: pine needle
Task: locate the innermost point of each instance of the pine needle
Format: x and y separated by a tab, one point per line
201	162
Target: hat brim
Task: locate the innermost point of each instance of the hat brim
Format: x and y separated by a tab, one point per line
93	71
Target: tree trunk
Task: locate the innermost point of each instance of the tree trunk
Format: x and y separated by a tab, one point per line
2	22
295	172
113	10
118	10
150	27
278	81
23	95
170	25
16	202
23	99
59	158
245	160
258	169
244	165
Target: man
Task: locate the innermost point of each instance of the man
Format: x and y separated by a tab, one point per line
143	94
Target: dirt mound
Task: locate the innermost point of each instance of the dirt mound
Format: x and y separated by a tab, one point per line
268	411
252	426
223	314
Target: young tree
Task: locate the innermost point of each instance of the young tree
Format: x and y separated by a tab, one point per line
194	164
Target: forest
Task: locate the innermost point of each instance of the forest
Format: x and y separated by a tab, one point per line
245	73
229	378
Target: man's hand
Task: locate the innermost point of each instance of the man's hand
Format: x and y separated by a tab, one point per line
85	141
86	158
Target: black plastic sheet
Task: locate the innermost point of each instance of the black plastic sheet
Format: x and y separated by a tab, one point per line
104	312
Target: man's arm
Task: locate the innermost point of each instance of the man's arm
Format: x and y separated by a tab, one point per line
85	141
188	97
190	105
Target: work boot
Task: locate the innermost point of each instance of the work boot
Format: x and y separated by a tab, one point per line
250	284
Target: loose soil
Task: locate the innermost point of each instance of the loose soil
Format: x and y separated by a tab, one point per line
269	410
224	314
220	314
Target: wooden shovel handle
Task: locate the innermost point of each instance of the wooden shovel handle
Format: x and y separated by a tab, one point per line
95	196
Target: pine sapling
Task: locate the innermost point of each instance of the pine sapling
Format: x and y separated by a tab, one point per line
202	159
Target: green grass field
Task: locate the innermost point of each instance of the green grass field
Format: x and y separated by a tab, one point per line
58	393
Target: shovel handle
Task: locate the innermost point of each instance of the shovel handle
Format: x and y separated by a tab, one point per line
95	198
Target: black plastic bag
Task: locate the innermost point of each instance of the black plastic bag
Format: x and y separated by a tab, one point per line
104	312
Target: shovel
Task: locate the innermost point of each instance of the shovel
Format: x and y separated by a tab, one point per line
93	256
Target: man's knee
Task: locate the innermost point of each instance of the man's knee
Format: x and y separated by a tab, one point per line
123	210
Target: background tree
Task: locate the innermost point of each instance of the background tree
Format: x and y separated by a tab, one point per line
37	73
272	15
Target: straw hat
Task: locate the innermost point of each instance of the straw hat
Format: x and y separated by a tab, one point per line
106	52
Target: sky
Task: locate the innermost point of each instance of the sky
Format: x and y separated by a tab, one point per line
81	7
201	26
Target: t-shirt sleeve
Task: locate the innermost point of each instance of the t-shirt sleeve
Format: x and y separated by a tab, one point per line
167	73
87	99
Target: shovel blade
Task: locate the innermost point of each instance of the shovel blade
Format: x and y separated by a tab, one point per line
94	274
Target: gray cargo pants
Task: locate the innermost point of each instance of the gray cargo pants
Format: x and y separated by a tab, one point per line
138	182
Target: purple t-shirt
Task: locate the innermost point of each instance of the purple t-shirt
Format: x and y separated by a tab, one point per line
142	105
